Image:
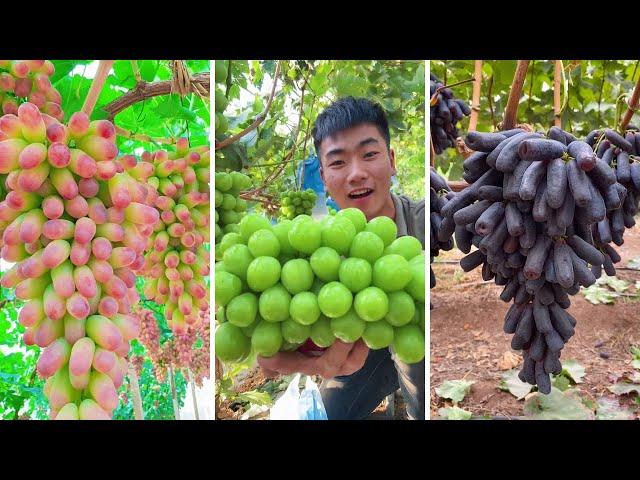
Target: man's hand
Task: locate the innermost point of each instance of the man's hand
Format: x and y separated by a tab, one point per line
339	359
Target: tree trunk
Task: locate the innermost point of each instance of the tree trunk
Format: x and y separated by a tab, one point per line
174	396
193	393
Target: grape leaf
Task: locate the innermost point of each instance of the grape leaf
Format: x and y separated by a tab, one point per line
614	283
454	413
512	384
561	382
557	406
597	295
634	263
610	409
573	370
454	390
623	388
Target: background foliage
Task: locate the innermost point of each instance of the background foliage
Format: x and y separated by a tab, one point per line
304	89
591	91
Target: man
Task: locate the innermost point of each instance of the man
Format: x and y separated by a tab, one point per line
352	139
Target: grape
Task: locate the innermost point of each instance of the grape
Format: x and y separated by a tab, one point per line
542	212
297	202
441	233
75	233
322	287
445	115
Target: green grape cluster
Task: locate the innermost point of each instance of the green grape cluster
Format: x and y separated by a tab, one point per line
297	202
230	208
221	73
301	284
332	211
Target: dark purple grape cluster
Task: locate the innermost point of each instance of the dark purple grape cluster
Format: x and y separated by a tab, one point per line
445	115
542	211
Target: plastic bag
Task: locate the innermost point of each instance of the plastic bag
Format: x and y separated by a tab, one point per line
294	405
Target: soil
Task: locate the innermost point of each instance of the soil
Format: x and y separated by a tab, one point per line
467	341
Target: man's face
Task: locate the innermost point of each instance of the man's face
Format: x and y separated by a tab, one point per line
357	168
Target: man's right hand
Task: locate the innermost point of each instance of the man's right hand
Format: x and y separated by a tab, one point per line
339	359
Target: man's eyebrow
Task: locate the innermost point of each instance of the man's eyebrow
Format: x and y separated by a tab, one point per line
335	151
368	141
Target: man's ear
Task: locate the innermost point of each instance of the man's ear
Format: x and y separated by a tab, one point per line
392	157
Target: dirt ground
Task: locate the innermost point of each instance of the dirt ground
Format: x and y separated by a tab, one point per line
467	341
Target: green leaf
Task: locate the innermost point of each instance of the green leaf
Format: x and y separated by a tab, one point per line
596	294
614	283
561	382
454	413
573	370
610	409
623	388
634	264
636	363
455	390
511	383
557	406
256	397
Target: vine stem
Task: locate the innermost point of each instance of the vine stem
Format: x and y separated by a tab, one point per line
259	119
136	398
475	98
193	393
633	106
96	86
557	101
144	90
511	111
174	395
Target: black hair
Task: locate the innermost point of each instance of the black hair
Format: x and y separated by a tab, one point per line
349	112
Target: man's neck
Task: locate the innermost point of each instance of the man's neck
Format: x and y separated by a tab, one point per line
387	210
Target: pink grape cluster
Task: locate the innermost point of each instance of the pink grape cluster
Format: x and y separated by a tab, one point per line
75	223
178	351
29	80
177	261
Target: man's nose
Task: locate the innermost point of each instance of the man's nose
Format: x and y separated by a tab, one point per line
357	172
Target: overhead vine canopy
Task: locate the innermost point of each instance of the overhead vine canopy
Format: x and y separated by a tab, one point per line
304	89
593	95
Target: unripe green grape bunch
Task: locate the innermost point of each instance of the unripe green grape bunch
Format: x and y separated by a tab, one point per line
230	208
221	124
297	202
75	224
176	262
302	284
28	80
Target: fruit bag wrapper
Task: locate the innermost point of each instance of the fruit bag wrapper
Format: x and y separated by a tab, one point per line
296	405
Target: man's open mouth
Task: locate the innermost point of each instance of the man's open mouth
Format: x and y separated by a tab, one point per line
360	193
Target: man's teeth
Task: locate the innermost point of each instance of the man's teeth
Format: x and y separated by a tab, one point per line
360	192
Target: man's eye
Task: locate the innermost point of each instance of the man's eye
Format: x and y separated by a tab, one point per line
370	154
336	163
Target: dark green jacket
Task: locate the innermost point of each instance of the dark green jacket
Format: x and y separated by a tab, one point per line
409	217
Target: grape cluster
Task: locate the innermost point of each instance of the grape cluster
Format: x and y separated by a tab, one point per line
177	351
75	223
29	80
538	210
301	284
440	195
177	260
445	115
221	124
297	202
229	206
